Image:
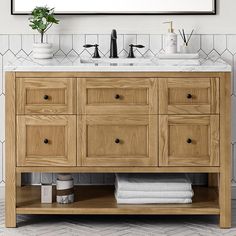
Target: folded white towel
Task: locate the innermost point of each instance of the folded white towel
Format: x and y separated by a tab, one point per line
153	194
179	56
153	182
153	200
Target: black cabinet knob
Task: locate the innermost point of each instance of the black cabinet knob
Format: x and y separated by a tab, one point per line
117	96
189	140
189	96
45	97
117	141
45	141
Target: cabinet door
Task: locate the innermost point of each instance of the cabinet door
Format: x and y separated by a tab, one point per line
46	140
189	95
117	140
46	95
117	96
189	140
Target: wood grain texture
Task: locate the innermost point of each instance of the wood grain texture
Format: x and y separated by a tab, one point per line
137	140
149	101
225	151
136	96
10	189
117	74
100	200
61	94
60	131
203	133
119	169
174	96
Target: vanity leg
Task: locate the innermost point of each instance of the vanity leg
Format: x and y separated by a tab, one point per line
18	179
10	190
213	180
225	151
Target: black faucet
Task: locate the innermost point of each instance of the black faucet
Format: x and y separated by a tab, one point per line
113	46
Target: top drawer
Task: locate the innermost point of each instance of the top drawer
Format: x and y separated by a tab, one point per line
189	95
46	95
117	96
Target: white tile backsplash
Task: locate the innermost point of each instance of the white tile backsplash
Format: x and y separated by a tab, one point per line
15	43
207	43
27	43
223	46
4	43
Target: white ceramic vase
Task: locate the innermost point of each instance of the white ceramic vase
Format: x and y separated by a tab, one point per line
184	48
42	51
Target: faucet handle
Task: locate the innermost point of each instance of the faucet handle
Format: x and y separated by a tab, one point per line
131	50
96	53
138	45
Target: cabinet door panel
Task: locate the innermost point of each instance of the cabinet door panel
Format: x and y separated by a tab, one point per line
46	95
117	96
189	140
46	140
189	95
117	140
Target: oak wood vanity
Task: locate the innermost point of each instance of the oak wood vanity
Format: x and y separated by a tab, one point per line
108	122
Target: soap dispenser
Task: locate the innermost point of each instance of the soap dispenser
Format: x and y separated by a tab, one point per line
170	39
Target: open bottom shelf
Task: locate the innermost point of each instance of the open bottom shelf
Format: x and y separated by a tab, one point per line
100	200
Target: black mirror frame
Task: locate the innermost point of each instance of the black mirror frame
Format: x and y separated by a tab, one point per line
213	12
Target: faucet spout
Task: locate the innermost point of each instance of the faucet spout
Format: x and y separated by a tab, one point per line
113	45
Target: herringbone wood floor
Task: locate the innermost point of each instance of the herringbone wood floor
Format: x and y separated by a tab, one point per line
116	225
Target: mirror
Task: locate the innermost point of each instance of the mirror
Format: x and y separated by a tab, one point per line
118	6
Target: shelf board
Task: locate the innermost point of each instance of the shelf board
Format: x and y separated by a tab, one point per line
100	200
110	169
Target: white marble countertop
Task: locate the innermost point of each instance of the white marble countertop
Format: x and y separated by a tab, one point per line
73	64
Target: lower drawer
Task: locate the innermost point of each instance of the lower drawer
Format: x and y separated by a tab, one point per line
117	140
46	140
189	140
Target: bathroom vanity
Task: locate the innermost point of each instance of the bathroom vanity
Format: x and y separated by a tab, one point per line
73	117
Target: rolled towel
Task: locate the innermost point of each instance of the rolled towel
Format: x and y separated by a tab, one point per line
153	182
153	194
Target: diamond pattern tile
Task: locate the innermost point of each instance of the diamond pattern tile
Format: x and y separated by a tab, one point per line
209	46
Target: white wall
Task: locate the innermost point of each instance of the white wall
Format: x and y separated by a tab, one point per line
223	22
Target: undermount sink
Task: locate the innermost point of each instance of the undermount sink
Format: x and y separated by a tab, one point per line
117	61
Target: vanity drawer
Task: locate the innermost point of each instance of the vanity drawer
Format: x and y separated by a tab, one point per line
46	95
117	140
189	140
46	140
117	96
189	95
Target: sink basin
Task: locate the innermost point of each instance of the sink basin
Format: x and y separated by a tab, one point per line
117	61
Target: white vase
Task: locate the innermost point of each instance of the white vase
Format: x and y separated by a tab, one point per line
42	51
184	48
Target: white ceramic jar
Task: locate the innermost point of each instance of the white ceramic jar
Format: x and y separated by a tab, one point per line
65	189
42	51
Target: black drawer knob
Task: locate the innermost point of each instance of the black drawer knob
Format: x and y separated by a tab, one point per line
189	96
45	141
189	140
117	140
45	97
117	96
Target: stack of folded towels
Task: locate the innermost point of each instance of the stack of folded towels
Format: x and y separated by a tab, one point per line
153	188
179	59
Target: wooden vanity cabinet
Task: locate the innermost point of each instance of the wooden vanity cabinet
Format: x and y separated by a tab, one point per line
118	122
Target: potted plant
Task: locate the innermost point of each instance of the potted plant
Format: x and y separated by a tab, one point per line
42	20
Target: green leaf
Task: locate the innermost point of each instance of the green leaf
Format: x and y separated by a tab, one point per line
42	18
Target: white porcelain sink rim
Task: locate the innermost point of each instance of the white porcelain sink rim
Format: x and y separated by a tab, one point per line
127	61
